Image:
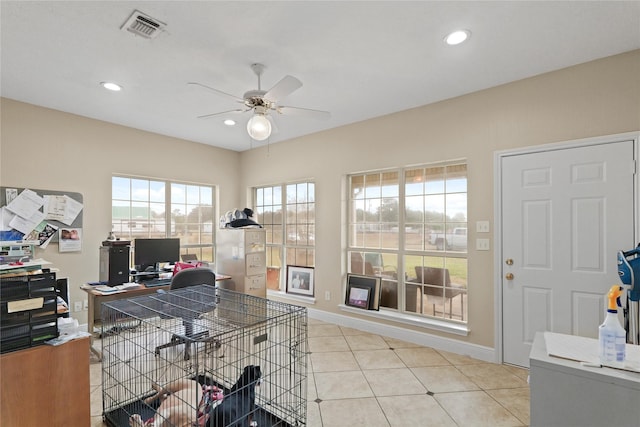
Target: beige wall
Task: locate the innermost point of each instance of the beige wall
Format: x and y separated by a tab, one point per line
47	149
593	99
51	150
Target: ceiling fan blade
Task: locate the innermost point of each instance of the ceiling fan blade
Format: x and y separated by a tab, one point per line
306	112
206	116
283	88
219	92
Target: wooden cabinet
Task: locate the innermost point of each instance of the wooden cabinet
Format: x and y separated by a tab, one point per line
46	385
241	253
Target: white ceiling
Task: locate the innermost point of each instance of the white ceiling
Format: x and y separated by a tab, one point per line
356	59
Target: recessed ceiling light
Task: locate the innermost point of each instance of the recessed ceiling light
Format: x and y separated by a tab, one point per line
111	86
457	37
229	122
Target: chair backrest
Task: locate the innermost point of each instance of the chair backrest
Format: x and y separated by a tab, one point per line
193	276
433	276
359	266
440	278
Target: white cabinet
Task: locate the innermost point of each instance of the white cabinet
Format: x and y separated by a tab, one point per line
565	393
241	253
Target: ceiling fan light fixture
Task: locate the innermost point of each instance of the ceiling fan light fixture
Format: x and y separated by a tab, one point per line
259	127
457	37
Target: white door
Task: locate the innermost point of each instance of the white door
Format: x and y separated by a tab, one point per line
565	214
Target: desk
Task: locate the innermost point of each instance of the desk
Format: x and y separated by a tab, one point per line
46	385
95	300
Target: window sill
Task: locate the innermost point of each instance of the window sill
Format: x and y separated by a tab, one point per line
422	322
291	297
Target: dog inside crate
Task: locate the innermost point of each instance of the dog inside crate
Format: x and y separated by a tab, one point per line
246	364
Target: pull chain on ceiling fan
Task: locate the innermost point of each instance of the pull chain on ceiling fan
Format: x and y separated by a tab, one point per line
263	102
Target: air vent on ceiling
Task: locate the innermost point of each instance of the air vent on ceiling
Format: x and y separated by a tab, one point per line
143	25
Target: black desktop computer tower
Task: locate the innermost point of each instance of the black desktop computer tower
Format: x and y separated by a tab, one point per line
114	264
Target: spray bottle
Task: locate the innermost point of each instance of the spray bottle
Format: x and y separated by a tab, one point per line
611	334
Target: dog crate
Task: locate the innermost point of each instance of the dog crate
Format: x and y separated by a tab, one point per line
212	336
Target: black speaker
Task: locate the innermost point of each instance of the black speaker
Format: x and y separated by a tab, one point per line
114	264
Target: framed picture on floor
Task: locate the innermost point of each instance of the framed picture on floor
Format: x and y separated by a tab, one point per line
363	291
358	297
300	280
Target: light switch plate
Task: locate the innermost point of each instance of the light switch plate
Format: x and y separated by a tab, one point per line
482	244
482	226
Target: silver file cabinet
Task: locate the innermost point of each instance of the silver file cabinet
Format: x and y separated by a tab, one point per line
241	253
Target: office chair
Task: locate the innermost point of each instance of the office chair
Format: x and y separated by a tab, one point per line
183	279
443	287
359	266
389	291
193	276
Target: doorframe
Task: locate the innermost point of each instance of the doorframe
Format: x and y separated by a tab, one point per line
498	256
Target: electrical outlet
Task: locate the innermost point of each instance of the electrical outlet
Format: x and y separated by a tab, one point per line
327	295
482	244
482	226
85	304
77	306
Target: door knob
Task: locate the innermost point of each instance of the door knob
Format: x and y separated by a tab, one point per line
509	261
508	276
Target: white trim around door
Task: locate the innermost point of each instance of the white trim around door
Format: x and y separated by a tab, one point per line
498	219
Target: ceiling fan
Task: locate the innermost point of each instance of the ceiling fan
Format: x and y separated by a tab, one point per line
262	103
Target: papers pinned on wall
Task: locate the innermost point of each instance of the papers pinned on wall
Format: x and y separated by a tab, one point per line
70	239
26	204
41	216
43	234
61	208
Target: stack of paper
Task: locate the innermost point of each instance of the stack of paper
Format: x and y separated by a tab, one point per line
583	349
105	289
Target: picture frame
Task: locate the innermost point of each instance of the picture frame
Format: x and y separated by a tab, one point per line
363	291
358	297
300	280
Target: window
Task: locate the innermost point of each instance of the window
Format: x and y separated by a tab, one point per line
149	208
287	212
409	226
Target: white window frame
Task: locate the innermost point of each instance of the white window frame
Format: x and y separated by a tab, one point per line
401	252
203	247
285	234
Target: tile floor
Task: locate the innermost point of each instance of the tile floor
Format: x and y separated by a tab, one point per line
361	379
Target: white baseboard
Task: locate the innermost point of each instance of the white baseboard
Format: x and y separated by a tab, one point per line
479	352
475	351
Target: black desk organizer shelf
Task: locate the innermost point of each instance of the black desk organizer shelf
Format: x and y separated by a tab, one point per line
27	328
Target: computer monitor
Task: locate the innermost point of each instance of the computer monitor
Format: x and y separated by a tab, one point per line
148	253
